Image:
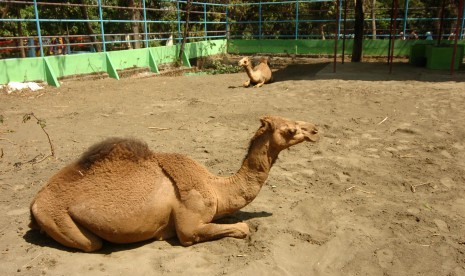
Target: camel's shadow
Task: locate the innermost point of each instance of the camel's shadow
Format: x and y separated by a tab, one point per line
42	240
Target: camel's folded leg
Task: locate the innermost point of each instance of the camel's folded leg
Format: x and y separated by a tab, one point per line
260	84
211	231
247	83
64	230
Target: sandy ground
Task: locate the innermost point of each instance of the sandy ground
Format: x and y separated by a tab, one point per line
383	193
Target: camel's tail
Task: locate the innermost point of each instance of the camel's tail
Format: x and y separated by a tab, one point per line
33	223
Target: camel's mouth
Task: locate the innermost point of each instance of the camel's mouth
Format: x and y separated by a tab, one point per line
311	135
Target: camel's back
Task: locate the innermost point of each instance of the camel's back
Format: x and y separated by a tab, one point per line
113	170
265	70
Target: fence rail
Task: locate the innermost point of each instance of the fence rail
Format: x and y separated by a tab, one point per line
54	33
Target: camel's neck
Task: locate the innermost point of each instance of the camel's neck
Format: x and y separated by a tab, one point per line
250	72
237	191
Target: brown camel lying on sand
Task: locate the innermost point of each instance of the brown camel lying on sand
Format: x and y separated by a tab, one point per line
122	192
259	75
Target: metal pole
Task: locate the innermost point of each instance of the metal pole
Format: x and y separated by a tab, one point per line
390	32
441	22
145	25
205	19
345	27
260	20
102	29
39	34
405	17
339	18
336	37
454	53
463	22
297	19
179	21
227	22
391	54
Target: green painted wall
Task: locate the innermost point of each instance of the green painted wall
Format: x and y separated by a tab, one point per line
51	68
320	47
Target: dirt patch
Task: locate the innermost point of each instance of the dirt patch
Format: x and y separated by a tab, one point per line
381	194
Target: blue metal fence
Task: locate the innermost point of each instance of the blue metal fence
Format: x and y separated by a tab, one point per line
293	19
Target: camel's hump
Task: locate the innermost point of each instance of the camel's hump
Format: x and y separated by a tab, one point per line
115	148
186	173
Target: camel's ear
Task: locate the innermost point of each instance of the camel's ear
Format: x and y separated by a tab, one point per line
266	122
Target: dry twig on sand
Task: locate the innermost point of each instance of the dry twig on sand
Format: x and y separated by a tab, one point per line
383	121
42	125
413	187
358	189
159	128
5	139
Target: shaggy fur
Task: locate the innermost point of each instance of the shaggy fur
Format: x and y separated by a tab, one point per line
127	148
122	192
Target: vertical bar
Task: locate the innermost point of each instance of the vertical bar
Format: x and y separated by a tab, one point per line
227	21
441	22
205	19
345	27
463	22
339	18
39	34
391	24
457	30
336	36
260	20
102	29
179	21
405	17
391	54
145	25
296	19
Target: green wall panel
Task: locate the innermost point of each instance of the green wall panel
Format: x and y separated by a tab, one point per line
21	70
33	69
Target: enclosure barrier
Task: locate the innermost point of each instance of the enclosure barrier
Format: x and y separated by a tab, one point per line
50	68
280	27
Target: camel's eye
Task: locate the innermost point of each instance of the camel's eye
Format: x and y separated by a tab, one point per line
291	131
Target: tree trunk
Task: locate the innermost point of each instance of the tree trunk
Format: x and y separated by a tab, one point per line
186	29
135	16
358	32
373	18
90	31
20	34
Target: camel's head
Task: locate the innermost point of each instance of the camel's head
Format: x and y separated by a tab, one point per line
244	62
286	133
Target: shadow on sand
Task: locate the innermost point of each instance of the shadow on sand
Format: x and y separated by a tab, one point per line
369	71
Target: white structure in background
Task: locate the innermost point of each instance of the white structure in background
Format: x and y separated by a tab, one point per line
169	42
14	86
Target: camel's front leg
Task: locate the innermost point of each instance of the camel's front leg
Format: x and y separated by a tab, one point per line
193	224
247	83
260	84
211	231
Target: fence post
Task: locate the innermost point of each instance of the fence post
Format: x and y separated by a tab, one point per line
145	25
463	22
36	11
102	29
227	21
179	21
405	17
205	19
296	19
260	20
339	18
